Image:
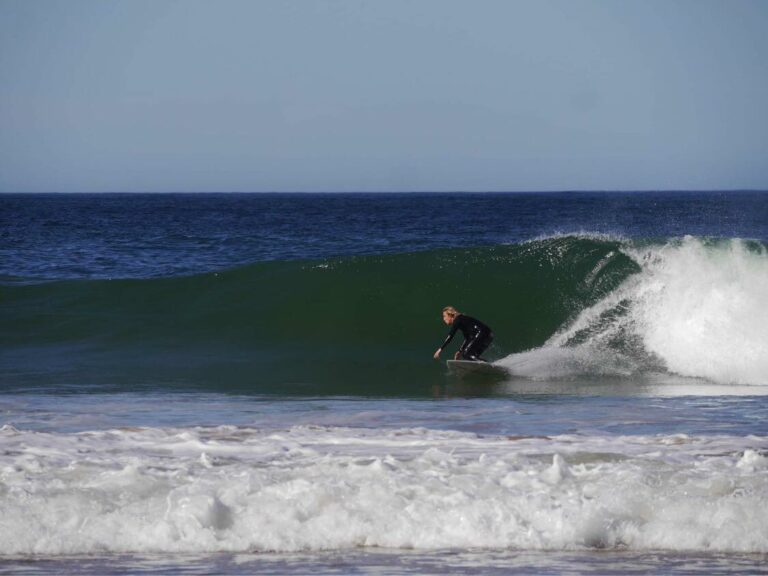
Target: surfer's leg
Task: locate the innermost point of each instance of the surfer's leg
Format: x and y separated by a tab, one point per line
464	349
473	349
477	346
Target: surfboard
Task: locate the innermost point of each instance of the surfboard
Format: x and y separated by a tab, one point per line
468	367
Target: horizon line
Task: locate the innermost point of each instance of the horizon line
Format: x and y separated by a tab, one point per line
351	192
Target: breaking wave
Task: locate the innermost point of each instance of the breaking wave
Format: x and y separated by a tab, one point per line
576	306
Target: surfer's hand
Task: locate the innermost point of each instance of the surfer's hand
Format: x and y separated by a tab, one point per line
457	356
436	355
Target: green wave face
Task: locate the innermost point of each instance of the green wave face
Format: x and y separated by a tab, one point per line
356	325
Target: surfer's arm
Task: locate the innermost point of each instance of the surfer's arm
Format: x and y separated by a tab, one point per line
447	341
450	336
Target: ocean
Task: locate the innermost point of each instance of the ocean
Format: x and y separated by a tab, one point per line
244	383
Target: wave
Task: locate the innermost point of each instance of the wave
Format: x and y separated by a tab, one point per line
329	488
577	305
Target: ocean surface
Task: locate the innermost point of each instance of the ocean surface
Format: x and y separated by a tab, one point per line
244	383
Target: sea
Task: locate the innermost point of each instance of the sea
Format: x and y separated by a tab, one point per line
245	383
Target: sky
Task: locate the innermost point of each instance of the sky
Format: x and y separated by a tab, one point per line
386	95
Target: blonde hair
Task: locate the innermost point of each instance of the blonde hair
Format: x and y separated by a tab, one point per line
451	311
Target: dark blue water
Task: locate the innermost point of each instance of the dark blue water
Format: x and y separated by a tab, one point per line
54	236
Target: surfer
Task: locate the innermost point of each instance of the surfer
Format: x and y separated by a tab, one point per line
477	336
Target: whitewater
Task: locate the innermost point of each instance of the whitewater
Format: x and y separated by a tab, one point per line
240	489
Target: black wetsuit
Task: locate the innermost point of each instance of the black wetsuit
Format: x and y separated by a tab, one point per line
477	336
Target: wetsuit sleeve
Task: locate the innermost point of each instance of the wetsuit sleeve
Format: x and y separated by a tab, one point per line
451	334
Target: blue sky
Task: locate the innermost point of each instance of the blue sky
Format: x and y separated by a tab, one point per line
528	95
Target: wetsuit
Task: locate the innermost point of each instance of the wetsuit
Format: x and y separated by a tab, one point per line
477	337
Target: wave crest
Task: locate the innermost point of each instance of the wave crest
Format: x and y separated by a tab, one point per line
696	308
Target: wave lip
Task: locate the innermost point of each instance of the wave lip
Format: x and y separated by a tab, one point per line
326	488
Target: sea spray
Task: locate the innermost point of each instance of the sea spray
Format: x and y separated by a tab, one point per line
696	308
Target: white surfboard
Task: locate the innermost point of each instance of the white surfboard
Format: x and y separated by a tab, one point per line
469	367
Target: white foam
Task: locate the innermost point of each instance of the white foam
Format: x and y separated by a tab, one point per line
696	309
703	310
312	488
